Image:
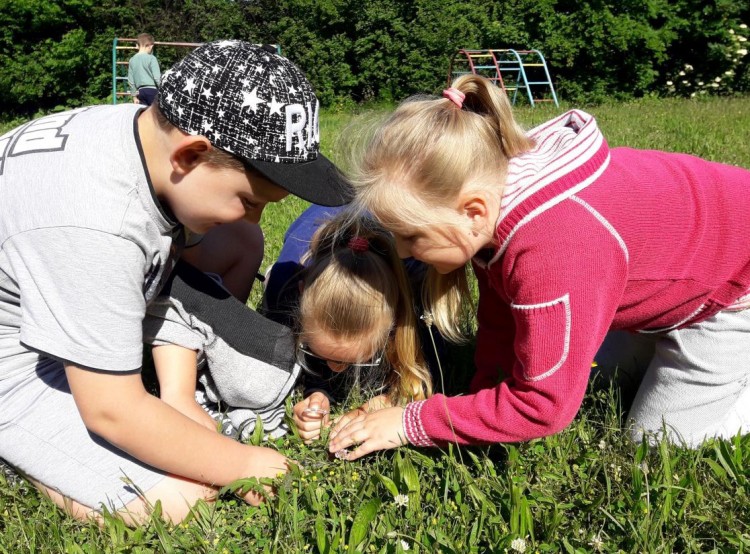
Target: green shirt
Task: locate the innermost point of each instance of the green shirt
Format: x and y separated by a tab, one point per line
143	71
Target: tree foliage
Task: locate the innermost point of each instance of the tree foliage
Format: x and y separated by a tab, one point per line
56	54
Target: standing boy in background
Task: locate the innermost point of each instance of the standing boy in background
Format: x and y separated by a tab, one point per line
143	71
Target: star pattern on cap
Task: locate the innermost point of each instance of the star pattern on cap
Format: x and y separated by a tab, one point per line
235	94
251	99
189	85
275	107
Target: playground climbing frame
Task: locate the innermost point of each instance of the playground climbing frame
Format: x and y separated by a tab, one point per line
512	70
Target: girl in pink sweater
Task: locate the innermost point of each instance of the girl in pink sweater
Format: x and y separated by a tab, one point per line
569	239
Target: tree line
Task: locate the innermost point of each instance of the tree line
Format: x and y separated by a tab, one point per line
58	53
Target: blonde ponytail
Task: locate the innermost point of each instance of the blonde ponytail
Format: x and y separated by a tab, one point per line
485	98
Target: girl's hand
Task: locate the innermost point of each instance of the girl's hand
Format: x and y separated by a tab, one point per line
368	432
376	403
311	415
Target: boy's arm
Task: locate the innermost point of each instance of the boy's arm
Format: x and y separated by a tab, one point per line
177	372
131	81
119	409
155	71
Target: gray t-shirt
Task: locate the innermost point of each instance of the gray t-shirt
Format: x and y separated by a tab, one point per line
84	243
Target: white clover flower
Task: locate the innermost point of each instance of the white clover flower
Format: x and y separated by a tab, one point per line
518	545
644	467
742	51
692	95
715	85
742	39
700	83
688	67
718	79
729	72
682	73
602	443
669	83
743	26
404	545
401	500
597	542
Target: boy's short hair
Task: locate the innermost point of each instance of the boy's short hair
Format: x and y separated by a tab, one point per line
144	39
258	106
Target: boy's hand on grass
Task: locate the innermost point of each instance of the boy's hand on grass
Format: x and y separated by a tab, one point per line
311	415
368	432
264	463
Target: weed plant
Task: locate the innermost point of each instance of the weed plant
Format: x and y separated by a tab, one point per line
586	489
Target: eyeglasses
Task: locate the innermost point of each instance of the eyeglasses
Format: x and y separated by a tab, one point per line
311	356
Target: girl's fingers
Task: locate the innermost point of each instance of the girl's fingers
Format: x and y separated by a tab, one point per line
313	425
308	436
314	412
362	450
353	434
348	419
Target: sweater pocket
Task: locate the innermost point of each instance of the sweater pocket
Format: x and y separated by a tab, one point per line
542	337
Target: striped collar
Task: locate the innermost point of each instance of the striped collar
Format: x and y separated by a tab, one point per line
570	154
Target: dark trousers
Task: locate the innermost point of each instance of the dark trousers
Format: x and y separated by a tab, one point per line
147	95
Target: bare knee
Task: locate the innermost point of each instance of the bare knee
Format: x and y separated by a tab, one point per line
176	497
234	251
74	509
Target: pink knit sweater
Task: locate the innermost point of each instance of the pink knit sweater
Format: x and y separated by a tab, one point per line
591	239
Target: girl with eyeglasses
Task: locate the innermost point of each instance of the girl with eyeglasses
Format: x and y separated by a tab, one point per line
356	316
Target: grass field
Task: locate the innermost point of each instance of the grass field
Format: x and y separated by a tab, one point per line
587	489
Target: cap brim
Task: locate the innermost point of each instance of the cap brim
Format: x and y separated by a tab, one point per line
317	181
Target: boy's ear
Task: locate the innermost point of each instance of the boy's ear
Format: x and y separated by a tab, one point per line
187	153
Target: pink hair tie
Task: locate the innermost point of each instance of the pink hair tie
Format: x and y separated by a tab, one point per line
455	96
359	244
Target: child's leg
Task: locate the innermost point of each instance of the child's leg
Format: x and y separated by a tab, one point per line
234	251
176	495
698	383
622	360
43	436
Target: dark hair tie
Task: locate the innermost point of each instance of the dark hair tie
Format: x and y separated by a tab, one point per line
358	244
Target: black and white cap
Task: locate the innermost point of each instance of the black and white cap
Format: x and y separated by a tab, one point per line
258	106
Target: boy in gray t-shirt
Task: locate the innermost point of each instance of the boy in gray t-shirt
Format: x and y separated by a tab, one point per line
94	203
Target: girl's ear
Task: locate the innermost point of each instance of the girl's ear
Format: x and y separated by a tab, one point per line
186	154
475	207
